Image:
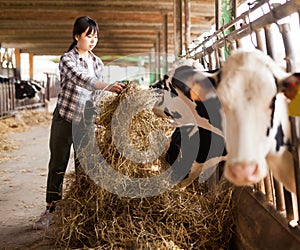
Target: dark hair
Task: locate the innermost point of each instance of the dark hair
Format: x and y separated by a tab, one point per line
80	26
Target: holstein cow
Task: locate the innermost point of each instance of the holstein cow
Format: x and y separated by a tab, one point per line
255	123
190	99
255	119
27	89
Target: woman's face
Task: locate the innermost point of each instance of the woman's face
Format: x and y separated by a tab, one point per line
87	42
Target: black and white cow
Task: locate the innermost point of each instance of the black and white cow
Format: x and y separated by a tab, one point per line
254	119
27	89
197	117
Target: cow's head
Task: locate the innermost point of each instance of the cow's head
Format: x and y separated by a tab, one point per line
248	88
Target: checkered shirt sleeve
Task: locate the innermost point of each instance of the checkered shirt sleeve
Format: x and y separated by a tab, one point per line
74	72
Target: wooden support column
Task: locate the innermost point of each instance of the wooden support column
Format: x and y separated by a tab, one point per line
30	65
165	43
18	63
177	27
152	65
187	24
158	70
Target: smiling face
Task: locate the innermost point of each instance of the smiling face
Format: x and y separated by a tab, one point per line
86	41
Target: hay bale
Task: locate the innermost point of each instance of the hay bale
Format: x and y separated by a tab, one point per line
193	218
90	216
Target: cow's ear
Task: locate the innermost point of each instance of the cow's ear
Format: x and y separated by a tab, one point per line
290	85
214	76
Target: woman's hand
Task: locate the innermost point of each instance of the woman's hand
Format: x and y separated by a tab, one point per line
116	87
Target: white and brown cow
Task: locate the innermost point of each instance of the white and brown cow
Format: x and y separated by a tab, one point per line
255	120
255	123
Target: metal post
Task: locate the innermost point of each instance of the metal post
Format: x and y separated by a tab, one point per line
202	61
268	188
288	204
217	59
261	187
270	41
279	196
221	56
210	60
288	46
261	40
294	149
290	66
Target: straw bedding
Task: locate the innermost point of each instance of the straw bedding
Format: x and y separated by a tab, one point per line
92	217
21	122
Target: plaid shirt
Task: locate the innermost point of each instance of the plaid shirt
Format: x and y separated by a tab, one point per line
73	76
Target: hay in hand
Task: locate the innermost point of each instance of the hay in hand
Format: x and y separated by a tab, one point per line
127	132
91	216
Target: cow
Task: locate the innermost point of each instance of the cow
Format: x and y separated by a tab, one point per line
27	89
255	119
196	128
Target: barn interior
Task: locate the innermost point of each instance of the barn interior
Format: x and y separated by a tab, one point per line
141	41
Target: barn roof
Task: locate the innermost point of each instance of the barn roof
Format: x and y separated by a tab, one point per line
44	27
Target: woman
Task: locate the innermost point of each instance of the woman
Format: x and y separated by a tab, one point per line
80	74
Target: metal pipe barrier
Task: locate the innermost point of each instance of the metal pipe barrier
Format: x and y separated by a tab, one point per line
9	103
261	32
7	96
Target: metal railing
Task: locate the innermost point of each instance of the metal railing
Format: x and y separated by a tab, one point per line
9	103
7	96
212	50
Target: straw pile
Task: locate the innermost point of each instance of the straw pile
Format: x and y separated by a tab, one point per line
91	217
21	122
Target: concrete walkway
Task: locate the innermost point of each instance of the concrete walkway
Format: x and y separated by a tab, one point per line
22	190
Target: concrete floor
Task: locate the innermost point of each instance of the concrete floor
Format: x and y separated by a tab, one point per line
22	190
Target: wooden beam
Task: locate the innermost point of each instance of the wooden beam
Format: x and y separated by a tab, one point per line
165	43
187	24
18	63
29	24
177	27
144	6
30	65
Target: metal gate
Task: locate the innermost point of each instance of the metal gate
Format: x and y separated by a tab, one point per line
260	32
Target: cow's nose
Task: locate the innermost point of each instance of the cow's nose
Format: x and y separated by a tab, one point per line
243	173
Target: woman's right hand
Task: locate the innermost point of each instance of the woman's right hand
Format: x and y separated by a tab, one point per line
116	87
